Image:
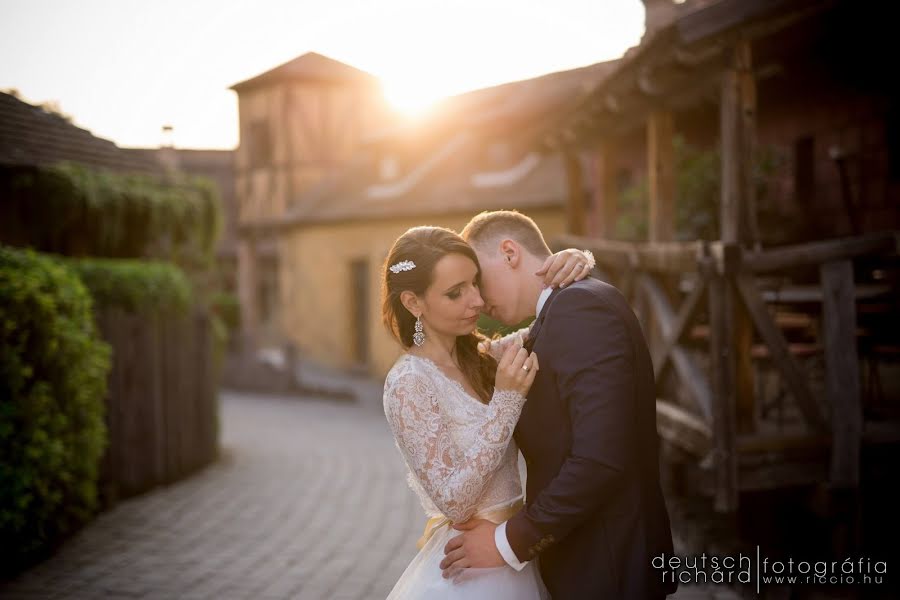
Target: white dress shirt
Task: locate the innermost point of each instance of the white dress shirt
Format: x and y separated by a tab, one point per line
500	539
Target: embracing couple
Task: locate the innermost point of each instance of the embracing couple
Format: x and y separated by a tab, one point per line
574	392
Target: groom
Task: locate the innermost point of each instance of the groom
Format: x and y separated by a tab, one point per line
594	510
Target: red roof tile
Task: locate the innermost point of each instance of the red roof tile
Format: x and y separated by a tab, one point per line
31	135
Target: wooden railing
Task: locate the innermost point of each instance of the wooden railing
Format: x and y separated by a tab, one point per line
710	416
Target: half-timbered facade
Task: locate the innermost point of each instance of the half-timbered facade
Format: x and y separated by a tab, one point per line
299	122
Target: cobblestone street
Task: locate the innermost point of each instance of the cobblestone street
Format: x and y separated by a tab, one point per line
308	501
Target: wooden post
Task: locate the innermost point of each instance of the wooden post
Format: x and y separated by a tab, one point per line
738	134
606	194
733	152
248	286
661	171
721	342
575	212
747	92
842	371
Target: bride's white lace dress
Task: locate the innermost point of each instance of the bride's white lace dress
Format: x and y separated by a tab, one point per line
462	463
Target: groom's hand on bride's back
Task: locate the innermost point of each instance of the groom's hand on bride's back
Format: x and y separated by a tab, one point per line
475	547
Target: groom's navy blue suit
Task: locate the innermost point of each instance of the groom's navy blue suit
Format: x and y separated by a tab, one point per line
594	508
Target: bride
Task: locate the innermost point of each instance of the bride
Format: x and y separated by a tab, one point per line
452	402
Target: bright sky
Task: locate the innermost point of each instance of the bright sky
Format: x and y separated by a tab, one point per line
123	68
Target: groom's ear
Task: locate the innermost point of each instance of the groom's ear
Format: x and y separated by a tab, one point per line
511	252
411	302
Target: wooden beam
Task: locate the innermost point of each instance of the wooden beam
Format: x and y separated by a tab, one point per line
683	429
670	257
575	210
745	412
646	83
747	91
778	474
781	355
689	373
661	180
816	253
736	163
842	371
795	443
606	192
722	367
686	313
738	206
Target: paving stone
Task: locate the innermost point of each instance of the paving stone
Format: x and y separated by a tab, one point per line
308	500
288	511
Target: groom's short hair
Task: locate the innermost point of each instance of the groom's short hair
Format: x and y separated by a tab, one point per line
486	229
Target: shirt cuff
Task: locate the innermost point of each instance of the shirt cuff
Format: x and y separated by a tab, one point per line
505	549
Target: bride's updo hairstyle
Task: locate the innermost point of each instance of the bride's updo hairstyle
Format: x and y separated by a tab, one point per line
425	246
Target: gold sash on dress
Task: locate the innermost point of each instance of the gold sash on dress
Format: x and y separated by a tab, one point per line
495	516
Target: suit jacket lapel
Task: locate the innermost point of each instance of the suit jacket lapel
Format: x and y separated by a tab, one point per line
532	336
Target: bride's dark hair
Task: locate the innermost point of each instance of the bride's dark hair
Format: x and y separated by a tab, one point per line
425	246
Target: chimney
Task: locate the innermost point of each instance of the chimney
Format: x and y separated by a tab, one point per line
167	155
658	14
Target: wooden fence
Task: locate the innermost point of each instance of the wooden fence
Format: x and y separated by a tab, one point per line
162	410
714	325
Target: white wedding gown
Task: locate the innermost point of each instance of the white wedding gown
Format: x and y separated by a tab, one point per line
462	463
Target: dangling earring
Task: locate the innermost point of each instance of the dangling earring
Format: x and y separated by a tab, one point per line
419	335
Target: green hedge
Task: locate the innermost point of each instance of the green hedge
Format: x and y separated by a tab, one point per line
79	211
227	310
135	285
53	373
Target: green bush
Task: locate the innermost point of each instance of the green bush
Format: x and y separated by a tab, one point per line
696	197
697	193
227	307
53	373
134	285
76	210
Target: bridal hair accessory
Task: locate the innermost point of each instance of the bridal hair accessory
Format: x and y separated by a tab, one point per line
403	265
419	335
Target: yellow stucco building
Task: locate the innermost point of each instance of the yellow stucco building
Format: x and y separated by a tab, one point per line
331	285
327	179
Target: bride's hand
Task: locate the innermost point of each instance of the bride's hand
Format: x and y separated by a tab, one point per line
566	266
510	372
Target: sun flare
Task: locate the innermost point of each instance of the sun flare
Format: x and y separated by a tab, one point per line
410	98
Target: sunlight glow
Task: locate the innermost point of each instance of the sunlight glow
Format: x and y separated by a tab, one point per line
409	98
130	68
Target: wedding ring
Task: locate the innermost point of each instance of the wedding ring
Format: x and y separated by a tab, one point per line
525	368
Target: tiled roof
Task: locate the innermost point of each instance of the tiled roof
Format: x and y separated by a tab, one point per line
444	189
459	133
31	135
309	66
516	101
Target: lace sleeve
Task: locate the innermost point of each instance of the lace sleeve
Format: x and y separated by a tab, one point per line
453	477
499	345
